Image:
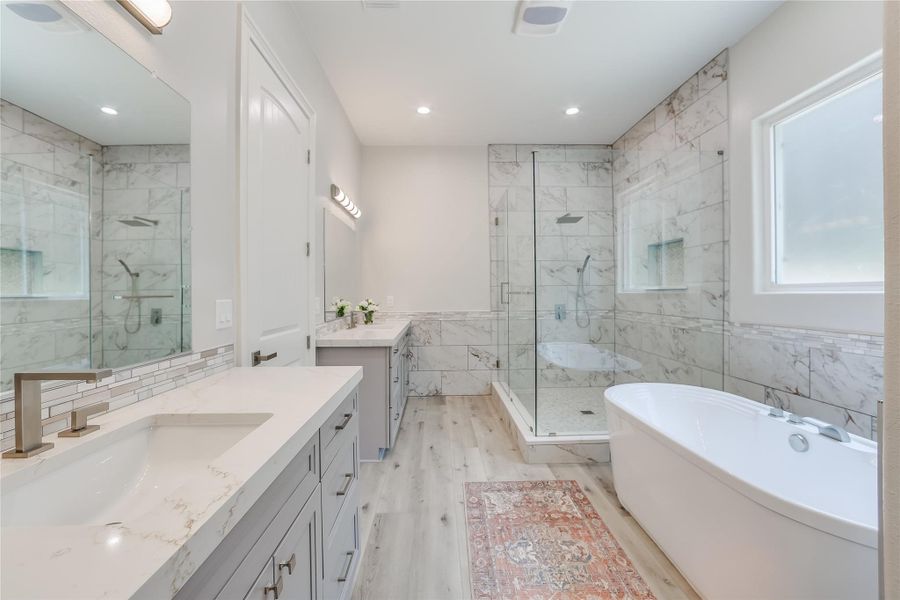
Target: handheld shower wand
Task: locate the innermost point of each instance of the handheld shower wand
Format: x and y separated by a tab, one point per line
582	316
132	301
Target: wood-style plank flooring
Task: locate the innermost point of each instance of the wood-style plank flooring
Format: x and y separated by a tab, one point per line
413	513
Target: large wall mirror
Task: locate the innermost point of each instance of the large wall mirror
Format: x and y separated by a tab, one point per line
341	268
95	222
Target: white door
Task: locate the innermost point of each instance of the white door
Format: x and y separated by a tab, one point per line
275	207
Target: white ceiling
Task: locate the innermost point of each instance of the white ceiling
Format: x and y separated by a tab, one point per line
65	72
616	60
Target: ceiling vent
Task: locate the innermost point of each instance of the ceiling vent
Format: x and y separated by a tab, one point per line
541	17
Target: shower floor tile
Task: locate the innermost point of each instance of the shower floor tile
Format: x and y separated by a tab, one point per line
566	411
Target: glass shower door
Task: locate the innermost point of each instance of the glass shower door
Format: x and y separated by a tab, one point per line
520	288
513	274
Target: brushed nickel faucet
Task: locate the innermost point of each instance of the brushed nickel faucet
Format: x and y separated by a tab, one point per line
29	436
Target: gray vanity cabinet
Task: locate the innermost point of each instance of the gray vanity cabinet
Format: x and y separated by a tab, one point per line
300	540
382	393
293	570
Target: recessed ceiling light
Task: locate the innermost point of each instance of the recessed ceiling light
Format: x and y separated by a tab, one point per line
423	110
573	110
109	110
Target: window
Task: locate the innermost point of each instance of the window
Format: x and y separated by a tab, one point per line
825	229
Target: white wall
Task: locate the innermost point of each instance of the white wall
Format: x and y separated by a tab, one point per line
797	47
425	234
197	55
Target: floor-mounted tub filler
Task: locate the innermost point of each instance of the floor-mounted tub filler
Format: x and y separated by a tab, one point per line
745	504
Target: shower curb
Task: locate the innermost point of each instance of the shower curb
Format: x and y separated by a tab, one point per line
560	449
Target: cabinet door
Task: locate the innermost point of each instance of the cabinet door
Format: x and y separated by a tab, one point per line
264	586
298	558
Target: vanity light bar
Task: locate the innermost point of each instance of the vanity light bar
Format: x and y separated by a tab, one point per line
152	14
338	195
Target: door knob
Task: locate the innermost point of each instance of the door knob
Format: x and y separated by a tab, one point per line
258	357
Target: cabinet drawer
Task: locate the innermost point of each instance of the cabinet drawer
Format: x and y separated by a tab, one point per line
341	425
264	583
342	553
338	482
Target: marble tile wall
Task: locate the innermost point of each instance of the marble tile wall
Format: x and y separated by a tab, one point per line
832	376
126	386
669	189
150	181
451	353
45	208
670	183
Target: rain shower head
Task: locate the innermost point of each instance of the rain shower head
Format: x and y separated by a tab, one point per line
138	222
568	218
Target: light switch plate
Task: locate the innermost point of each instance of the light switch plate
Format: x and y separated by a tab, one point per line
223	314
390	301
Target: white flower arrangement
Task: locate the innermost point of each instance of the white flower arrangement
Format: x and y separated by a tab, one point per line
340	306
368	308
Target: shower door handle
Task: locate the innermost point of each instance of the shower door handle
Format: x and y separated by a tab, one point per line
504	292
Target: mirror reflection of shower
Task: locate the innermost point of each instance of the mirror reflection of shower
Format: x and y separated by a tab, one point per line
582	316
132	301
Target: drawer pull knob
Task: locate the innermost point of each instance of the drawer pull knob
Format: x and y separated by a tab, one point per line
348	480
276	589
346	573
289	563
345	422
396	379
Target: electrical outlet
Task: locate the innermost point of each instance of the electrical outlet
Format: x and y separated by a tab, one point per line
390	301
223	314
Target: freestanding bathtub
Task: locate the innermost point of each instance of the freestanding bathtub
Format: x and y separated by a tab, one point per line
715	482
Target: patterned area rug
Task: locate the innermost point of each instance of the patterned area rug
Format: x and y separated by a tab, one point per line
543	540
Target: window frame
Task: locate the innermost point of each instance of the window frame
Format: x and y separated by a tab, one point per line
763	132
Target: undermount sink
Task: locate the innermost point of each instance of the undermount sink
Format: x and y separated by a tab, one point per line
123	474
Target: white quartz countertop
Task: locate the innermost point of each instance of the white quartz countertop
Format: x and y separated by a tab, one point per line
383	333
152	556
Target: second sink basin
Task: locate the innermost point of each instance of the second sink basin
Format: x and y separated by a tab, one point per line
122	474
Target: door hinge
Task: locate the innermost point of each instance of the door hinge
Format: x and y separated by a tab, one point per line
309	157
498	363
308	342
307	248
497	221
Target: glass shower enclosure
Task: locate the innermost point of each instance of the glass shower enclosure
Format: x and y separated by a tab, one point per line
94	272
607	268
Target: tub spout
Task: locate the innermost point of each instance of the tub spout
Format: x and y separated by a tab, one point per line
830	431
